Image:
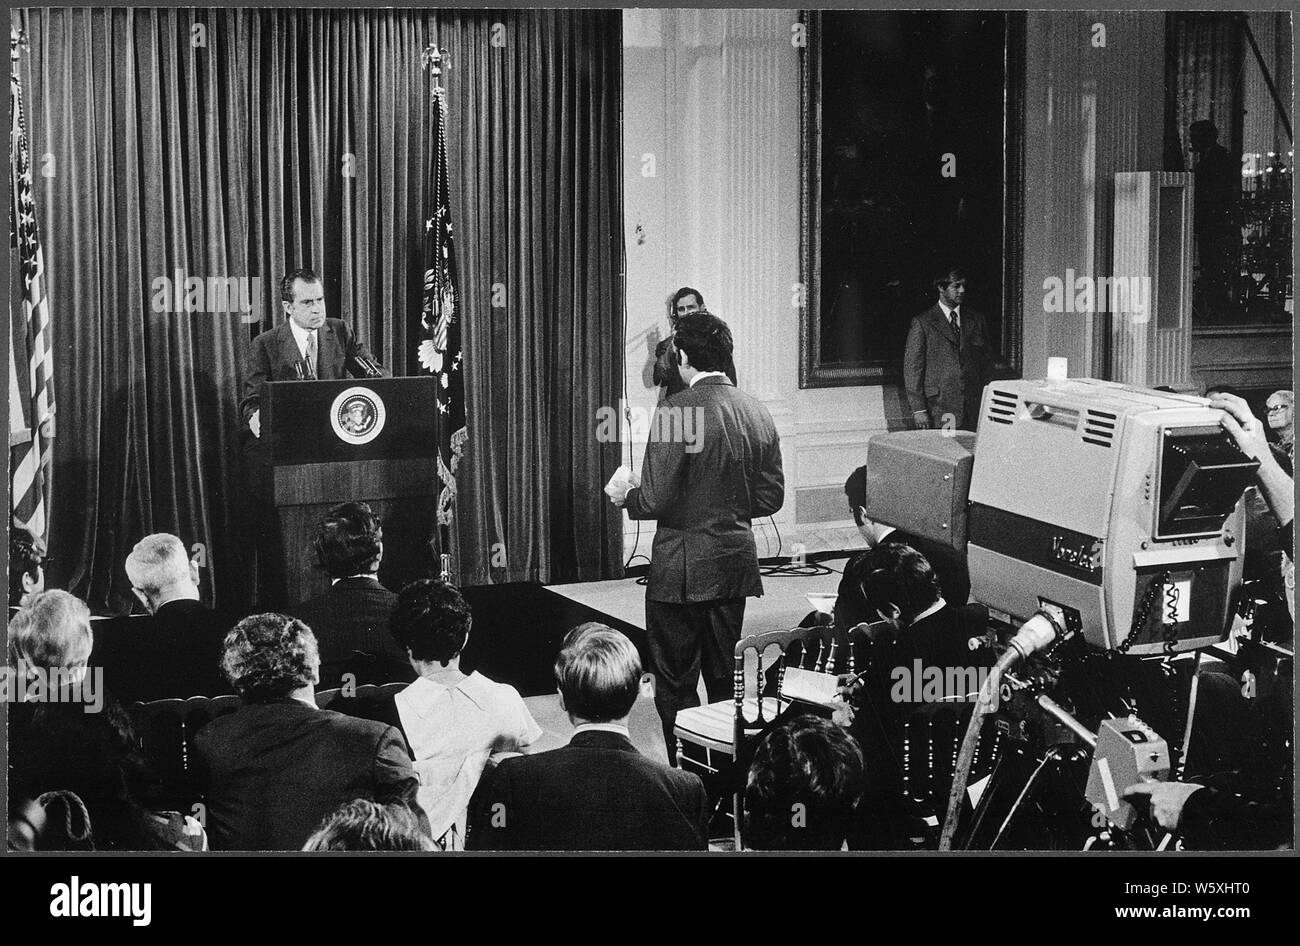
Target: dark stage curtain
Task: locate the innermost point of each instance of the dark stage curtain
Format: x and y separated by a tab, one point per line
533	149
249	142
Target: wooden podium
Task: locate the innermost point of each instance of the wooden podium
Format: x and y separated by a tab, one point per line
369	440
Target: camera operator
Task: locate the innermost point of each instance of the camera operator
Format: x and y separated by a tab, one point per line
1210	817
1277	486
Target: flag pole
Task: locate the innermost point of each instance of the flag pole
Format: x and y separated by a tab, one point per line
441	351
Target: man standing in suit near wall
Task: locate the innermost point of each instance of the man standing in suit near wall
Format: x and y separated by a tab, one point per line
175	652
947	360
712	466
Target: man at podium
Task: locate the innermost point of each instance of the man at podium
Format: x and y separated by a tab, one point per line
306	347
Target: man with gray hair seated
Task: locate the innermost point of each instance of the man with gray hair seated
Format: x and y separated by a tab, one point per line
275	768
175	651
597	793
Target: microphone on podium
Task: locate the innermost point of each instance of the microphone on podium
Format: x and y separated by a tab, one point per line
367	367
445	575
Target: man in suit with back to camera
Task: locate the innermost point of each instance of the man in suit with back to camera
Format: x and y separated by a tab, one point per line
712	465
273	769
947	360
597	793
949	566
685	301
174	652
350	618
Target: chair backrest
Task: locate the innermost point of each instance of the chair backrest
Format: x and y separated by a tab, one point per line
932	738
370	701
818	650
164	732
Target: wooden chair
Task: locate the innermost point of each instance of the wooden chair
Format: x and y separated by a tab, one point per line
164	733
932	738
719	731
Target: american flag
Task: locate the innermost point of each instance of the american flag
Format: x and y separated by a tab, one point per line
31	405
440	348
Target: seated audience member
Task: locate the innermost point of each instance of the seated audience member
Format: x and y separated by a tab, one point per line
805	784
452	722
278	765
26	568
597	793
75	747
916	632
948	565
901	588
350	619
174	651
363	825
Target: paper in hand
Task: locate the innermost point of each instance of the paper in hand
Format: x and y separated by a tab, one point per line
622	481
809	686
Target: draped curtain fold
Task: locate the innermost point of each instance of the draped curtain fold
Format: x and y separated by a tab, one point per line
533	147
245	143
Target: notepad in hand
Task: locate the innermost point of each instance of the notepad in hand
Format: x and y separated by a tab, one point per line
809	686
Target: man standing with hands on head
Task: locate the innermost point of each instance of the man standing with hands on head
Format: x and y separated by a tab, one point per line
947	361
712	465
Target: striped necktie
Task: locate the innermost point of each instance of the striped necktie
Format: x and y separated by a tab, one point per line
311	354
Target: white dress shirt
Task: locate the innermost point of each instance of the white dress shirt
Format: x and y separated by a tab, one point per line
452	729
949	313
300	335
708	374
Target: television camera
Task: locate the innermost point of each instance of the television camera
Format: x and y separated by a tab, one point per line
1103	525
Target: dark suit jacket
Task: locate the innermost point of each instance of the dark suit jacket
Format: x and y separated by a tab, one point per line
275	357
351	617
941	640
596	794
940	379
950	569
175	653
704	493
273	770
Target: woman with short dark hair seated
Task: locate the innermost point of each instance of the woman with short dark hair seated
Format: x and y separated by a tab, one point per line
804	788
73	746
453	722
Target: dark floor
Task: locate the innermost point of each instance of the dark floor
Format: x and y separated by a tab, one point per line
518	628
